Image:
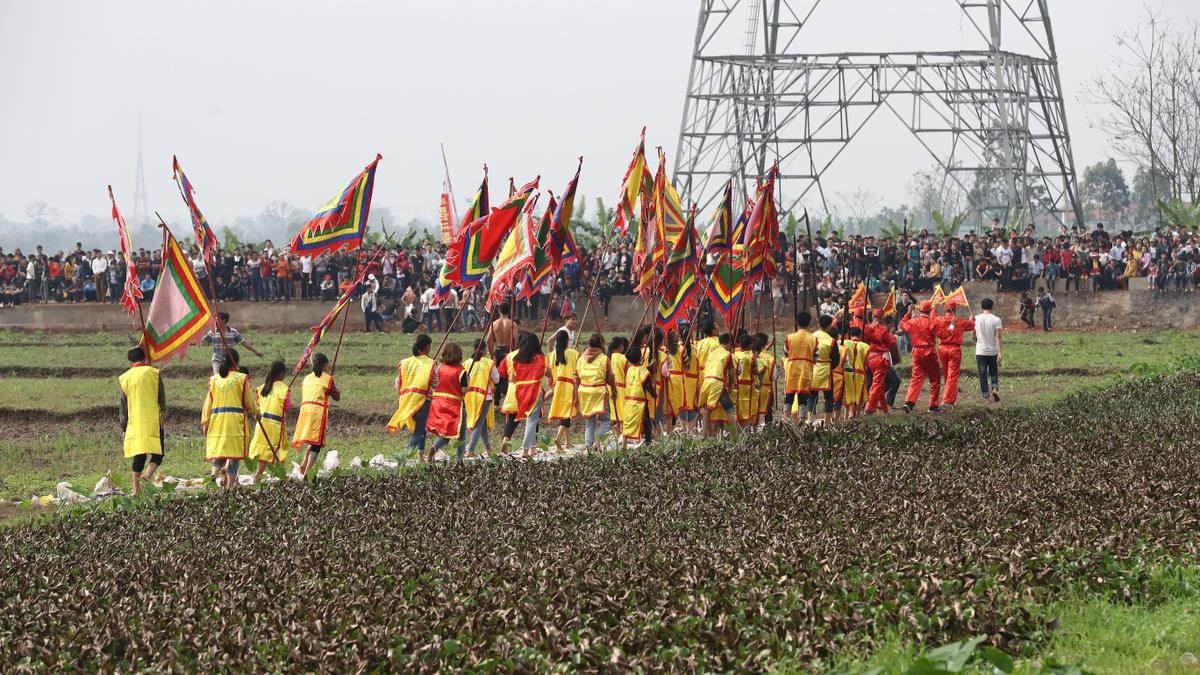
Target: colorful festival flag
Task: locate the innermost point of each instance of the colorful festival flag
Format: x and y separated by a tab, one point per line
542	265
320	329
204	234
133	291
683	282
179	312
483	238
514	258
632	186
727	280
722	223
454	252
762	231
562	239
342	221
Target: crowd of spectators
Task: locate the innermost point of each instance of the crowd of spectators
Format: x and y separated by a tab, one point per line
402	279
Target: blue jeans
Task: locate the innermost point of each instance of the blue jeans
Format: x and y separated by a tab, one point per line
590	426
418	437
529	440
480	431
989	372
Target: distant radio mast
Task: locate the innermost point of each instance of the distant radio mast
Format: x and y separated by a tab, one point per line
141	210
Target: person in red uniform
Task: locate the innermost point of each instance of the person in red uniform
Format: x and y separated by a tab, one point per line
882	342
446	404
950	338
922	330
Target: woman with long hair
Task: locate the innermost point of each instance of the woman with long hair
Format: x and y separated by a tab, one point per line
446	407
274	402
565	384
315	392
595	381
526	371
225	419
636	425
480	378
414	380
618	363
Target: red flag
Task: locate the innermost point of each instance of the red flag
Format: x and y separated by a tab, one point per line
133	292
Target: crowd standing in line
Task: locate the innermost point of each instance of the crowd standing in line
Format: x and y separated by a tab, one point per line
624	391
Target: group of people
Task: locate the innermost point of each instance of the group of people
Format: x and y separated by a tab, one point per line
623	390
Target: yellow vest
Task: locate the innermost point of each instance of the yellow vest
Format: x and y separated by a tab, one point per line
620	364
821	374
271	407
415	375
593	384
143	431
314	410
226	409
714	363
479	384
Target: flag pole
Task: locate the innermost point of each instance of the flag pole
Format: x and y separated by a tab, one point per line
588	306
549	304
462	304
453	203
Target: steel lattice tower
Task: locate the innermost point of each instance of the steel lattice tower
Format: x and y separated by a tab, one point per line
141	209
986	112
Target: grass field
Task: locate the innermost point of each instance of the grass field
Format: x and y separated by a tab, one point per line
58	406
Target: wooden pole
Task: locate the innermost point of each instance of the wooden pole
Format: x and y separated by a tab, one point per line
462	303
587	307
546	320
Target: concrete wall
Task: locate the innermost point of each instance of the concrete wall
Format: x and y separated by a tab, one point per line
1108	310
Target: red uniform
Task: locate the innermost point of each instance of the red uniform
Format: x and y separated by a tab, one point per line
879	359
950	338
445	410
923	331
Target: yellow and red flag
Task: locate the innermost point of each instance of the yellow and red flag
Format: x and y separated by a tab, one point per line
482	239
859	299
889	305
342	221
454	252
204	234
762	231
958	297
514	258
631	187
541	265
562	239
938	296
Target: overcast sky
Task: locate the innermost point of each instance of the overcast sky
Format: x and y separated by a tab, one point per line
266	101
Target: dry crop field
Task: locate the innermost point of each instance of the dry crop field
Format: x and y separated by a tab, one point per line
788	550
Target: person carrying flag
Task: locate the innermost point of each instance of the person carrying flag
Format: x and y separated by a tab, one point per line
922	329
143	401
950	338
595	382
414	382
854	365
881	342
718	381
766	378
800	346
480	377
526	371
274	402
564	362
315	392
825	357
636	422
446	401
745	373
225	419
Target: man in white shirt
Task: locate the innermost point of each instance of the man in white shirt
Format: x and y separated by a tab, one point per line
988	350
428	312
100	270
370	308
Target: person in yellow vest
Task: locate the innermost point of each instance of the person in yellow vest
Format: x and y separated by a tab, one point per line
855	365
618	363
800	346
839	374
681	376
704	346
480	378
766	379
229	410
274	402
717	383
744	369
636	423
595	382
414	382
825	355
143	400
315	392
565	383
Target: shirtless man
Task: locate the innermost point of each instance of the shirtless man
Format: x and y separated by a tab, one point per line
503	332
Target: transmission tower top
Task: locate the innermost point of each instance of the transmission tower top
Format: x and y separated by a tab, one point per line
992	117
